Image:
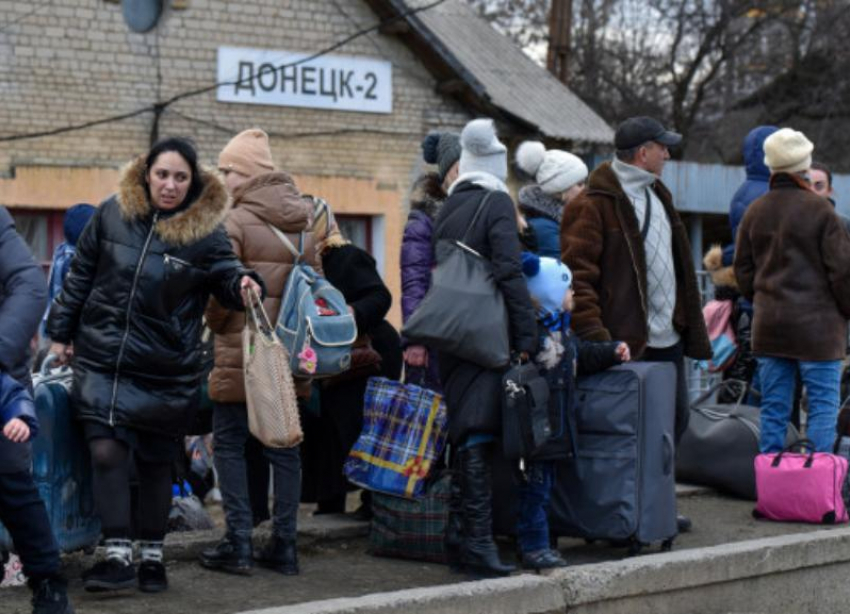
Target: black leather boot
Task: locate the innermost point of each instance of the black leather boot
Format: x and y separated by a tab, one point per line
232	554
480	555
281	555
454	526
50	596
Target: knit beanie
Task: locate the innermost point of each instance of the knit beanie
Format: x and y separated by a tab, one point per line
788	151
548	281
75	221
555	171
481	150
247	153
442	149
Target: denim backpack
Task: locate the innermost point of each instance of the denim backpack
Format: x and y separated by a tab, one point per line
314	323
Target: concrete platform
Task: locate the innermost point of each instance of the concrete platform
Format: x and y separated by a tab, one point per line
729	564
803	573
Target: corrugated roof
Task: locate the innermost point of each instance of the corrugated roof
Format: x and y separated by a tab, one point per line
509	79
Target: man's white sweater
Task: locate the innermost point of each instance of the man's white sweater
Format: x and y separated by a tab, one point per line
658	245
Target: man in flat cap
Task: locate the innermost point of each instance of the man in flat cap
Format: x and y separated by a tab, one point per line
634	279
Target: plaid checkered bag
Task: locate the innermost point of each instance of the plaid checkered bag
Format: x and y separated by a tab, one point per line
412	529
404	433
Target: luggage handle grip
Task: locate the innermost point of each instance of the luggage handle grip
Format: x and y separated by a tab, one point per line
800	443
723	385
48	362
667	451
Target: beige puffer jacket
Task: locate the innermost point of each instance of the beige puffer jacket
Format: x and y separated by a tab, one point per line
273	199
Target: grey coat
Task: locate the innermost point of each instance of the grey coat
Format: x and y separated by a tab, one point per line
23	298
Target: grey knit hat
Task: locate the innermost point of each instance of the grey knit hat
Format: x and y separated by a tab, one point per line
442	149
482	151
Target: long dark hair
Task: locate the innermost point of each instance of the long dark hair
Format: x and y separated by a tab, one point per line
186	149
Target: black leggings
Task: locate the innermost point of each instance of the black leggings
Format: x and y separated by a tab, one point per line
111	465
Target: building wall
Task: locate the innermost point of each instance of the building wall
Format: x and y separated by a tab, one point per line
78	62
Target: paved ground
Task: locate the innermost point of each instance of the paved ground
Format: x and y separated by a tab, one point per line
343	568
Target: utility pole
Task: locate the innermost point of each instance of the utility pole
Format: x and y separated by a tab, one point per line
560	28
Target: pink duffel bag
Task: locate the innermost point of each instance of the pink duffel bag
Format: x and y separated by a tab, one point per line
801	487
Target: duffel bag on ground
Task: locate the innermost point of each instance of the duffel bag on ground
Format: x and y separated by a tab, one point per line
721	442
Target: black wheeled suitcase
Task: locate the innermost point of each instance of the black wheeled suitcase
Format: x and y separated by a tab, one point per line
621	485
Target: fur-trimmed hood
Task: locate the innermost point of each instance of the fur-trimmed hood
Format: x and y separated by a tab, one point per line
721	276
534	202
427	195
185	227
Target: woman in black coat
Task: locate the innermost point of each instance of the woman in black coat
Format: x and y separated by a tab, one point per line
329	437
473	393
129	319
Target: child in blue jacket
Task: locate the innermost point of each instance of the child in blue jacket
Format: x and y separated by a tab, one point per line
22	511
560	358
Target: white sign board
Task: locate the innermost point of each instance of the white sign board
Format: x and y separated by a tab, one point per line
284	78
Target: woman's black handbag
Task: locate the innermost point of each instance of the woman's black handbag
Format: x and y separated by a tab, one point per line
464	312
525	412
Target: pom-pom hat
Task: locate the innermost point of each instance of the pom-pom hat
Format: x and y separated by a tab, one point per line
481	150
554	171
442	149
548	281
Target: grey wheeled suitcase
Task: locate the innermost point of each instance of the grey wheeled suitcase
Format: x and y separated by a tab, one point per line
621	486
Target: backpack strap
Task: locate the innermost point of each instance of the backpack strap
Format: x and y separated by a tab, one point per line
296	252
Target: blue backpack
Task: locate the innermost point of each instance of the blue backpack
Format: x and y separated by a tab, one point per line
314	323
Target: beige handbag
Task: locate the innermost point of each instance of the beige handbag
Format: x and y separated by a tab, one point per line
269	389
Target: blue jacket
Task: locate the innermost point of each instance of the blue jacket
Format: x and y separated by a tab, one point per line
16	402
58	270
543	212
548	234
756	184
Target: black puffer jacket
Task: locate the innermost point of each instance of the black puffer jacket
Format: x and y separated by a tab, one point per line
473	393
133	301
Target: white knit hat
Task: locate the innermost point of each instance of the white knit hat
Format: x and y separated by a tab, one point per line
788	151
481	150
554	170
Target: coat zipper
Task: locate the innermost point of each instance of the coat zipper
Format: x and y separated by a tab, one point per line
127	324
169	258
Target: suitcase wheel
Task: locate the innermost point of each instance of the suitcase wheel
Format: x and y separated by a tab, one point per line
667	545
635	548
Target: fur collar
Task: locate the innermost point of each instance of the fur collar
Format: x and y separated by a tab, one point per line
427	195
185	227
485	180
721	276
534	202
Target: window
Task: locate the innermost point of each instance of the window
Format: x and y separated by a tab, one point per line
42	230
366	232
357	229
